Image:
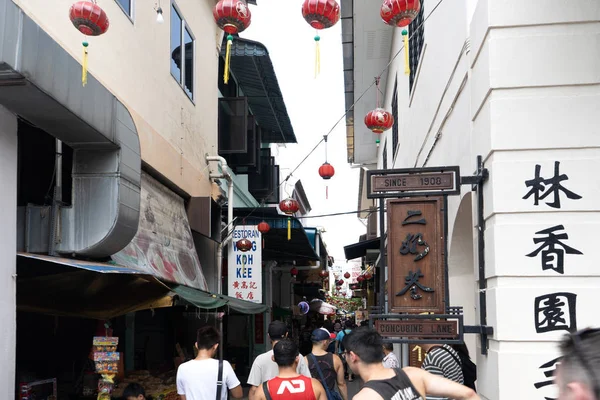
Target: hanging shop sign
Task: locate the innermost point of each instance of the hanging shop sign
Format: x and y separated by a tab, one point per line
416	356
416	255
412	182
244	274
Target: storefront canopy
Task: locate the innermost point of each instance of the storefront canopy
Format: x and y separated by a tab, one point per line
211	301
358	250
277	247
68	287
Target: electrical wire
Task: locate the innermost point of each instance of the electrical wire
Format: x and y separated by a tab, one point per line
375	80
369	210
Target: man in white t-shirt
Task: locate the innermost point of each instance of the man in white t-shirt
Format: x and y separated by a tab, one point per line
197	379
264	368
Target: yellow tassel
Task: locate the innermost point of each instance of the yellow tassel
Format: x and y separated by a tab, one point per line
406	53
227	58
84	64
317	55
289	228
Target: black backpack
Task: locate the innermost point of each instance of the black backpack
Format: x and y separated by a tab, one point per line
468	367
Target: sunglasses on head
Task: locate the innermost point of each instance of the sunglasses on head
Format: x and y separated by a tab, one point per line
577	338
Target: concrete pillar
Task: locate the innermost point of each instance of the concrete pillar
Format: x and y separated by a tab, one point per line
534	105
8	249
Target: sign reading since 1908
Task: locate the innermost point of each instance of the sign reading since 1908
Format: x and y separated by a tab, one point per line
413	182
416	245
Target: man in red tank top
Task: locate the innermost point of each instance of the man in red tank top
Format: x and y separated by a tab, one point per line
288	385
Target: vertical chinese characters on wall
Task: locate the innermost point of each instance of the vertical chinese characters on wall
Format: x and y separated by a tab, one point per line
552	311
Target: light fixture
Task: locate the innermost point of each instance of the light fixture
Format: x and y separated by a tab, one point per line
159	13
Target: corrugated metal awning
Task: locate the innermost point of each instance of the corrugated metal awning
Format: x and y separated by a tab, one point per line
359	249
253	70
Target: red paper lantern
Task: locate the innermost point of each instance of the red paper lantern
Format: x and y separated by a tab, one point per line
233	16
340	282
321	14
368	276
400	12
289	206
379	120
263	227
360	278
88	18
338	288
244	245
324	274
326	171
294	271
347	275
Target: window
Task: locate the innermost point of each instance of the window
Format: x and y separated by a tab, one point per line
127	6
416	30
395	115
183	72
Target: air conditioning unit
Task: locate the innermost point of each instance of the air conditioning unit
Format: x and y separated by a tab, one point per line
372	223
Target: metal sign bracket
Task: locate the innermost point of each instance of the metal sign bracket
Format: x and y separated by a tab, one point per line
477	181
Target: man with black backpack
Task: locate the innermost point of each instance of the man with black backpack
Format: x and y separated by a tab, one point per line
451	362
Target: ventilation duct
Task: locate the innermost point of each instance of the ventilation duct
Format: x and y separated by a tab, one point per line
40	82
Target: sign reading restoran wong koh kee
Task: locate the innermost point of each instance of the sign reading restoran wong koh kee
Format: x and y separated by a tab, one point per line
244	272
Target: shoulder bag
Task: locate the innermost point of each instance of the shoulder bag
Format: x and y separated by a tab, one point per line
330	395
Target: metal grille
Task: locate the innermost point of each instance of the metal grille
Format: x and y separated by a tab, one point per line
395	114
416	30
385	156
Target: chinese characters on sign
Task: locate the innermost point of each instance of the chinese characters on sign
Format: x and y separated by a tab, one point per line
416	254
553	256
412	283
542	188
245	268
555	312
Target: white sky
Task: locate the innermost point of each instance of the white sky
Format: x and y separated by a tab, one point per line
314	106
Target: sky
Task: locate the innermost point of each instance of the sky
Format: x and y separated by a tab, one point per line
314	107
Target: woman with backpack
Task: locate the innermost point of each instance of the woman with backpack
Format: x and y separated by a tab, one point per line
451	362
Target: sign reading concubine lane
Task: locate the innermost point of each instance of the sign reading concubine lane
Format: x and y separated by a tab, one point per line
413	182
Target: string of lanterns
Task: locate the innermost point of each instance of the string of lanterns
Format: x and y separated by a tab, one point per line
233	17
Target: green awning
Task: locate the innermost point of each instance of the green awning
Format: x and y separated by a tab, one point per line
211	301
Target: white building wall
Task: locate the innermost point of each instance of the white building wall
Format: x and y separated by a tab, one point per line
8	250
517	83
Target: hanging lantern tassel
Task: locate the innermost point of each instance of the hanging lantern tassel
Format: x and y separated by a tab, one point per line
406	52
289	228
84	64
326	192
317	55
227	59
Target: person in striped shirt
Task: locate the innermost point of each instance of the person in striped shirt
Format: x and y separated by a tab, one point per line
443	361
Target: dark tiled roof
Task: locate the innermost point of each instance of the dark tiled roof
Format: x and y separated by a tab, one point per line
253	70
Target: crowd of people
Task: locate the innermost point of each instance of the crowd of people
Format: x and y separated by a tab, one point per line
320	373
